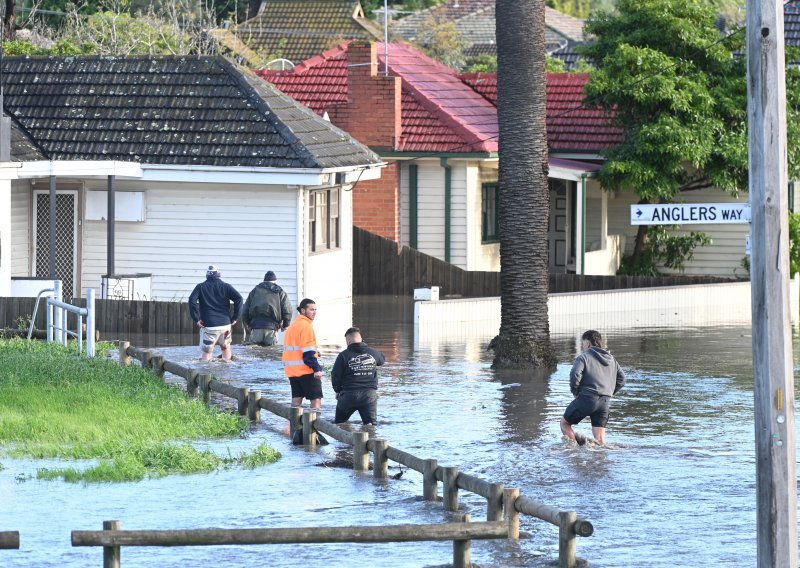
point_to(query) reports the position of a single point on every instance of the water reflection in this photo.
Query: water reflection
(681, 458)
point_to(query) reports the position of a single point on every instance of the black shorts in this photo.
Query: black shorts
(306, 386)
(588, 404)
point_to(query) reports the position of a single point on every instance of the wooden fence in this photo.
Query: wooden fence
(122, 317)
(112, 537)
(502, 503)
(382, 266)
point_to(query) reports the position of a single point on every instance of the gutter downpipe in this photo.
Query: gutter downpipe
(448, 206)
(583, 223)
(413, 197)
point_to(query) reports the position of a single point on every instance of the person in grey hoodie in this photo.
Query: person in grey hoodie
(266, 311)
(595, 377)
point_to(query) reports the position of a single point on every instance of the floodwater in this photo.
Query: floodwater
(676, 487)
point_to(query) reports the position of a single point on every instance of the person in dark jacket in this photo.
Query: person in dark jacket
(355, 379)
(595, 377)
(210, 308)
(266, 311)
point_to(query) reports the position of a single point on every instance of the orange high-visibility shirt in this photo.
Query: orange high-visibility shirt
(298, 339)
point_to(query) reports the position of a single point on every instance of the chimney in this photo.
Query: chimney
(373, 101)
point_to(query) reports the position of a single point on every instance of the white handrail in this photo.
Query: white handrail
(58, 323)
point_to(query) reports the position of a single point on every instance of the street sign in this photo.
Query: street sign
(690, 213)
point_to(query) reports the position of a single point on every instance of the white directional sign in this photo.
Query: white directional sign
(690, 213)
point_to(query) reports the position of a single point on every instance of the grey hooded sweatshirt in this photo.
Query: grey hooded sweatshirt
(596, 371)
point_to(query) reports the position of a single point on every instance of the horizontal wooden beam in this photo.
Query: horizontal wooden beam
(215, 537)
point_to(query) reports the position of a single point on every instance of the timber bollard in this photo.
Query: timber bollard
(511, 513)
(380, 467)
(157, 364)
(567, 541)
(450, 488)
(360, 451)
(243, 401)
(295, 420)
(147, 359)
(309, 434)
(204, 381)
(124, 358)
(192, 383)
(494, 502)
(111, 554)
(253, 408)
(430, 485)
(461, 548)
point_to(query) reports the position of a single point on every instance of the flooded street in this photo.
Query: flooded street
(675, 487)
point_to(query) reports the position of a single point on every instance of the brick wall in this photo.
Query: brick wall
(376, 204)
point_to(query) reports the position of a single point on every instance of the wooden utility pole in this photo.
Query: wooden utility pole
(776, 476)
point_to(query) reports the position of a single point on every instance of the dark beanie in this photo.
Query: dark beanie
(270, 277)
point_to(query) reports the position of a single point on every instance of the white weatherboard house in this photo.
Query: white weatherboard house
(196, 161)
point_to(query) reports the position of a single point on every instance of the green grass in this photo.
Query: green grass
(55, 404)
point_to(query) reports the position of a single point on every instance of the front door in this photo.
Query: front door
(557, 226)
(66, 245)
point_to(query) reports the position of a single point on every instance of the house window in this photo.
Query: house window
(490, 226)
(323, 220)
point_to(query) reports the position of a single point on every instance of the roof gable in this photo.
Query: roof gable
(169, 110)
(299, 29)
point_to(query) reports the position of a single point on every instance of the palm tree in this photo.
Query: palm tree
(524, 201)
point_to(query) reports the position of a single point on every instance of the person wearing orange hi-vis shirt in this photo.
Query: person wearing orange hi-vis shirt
(301, 357)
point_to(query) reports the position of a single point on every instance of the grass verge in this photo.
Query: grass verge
(55, 404)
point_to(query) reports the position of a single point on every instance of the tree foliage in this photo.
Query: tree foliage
(678, 88)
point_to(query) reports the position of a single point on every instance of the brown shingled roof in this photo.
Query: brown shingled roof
(299, 29)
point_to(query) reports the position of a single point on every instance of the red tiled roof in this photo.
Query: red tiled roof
(445, 112)
(570, 125)
(439, 112)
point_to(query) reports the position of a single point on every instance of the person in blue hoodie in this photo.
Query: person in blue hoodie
(595, 377)
(355, 379)
(210, 308)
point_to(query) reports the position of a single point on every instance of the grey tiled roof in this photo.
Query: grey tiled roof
(475, 22)
(23, 148)
(791, 23)
(169, 110)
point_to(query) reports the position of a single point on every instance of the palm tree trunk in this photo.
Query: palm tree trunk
(524, 202)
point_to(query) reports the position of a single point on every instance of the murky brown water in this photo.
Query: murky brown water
(676, 487)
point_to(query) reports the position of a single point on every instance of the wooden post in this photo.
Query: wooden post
(380, 467)
(253, 408)
(295, 420)
(430, 485)
(461, 548)
(244, 402)
(776, 475)
(147, 358)
(157, 364)
(309, 435)
(494, 502)
(111, 554)
(360, 451)
(511, 513)
(450, 488)
(566, 539)
(192, 383)
(204, 380)
(124, 358)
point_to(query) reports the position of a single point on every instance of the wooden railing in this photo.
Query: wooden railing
(112, 537)
(9, 540)
(502, 503)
